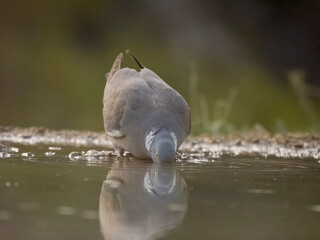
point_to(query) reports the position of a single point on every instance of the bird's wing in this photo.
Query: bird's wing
(125, 91)
(188, 120)
(111, 125)
(112, 114)
(173, 101)
(180, 107)
(149, 74)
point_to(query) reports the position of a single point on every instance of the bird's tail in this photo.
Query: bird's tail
(134, 58)
(115, 67)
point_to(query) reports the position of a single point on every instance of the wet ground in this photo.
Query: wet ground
(70, 187)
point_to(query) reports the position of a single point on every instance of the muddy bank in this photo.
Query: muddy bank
(258, 142)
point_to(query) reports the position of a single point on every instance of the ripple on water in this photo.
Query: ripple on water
(260, 191)
(4, 148)
(91, 155)
(199, 158)
(28, 206)
(258, 187)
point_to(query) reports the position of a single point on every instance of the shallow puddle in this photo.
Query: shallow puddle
(59, 192)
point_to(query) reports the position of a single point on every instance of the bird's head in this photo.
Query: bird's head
(163, 151)
(163, 148)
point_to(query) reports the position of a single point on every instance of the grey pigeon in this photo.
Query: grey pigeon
(137, 203)
(142, 114)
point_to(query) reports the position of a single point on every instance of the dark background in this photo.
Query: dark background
(237, 63)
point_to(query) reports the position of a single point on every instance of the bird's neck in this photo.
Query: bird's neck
(160, 134)
(160, 181)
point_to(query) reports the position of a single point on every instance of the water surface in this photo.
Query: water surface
(47, 195)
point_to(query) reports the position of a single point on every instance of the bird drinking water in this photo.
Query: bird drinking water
(142, 114)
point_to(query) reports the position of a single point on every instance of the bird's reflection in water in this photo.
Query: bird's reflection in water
(142, 203)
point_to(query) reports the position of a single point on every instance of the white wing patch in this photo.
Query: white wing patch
(149, 139)
(115, 134)
(113, 183)
(174, 138)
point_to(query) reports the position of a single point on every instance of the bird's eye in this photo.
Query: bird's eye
(157, 155)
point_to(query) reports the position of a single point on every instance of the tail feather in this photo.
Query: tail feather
(115, 67)
(134, 58)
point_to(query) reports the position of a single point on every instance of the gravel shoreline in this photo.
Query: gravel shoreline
(258, 142)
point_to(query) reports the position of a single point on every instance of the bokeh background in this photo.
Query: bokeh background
(237, 63)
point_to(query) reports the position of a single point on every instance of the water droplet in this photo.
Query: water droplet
(74, 156)
(90, 156)
(8, 184)
(13, 149)
(50, 154)
(5, 155)
(27, 154)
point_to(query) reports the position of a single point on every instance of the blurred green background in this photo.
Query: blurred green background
(237, 63)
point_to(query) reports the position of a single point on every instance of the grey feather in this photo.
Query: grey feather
(136, 103)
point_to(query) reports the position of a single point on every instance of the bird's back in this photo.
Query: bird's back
(136, 103)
